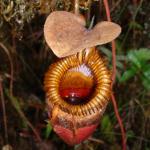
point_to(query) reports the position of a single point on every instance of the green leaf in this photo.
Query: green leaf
(134, 59)
(48, 130)
(16, 105)
(146, 71)
(106, 51)
(130, 134)
(136, 25)
(145, 77)
(121, 57)
(119, 65)
(143, 54)
(146, 83)
(107, 128)
(139, 57)
(128, 74)
(105, 122)
(118, 46)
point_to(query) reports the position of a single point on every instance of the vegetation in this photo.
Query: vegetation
(24, 58)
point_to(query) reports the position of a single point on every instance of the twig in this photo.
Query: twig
(119, 121)
(4, 111)
(115, 6)
(16, 105)
(96, 140)
(89, 9)
(113, 44)
(145, 117)
(113, 80)
(11, 67)
(130, 27)
(134, 137)
(114, 63)
(76, 8)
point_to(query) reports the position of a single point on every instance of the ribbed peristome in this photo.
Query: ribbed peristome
(99, 75)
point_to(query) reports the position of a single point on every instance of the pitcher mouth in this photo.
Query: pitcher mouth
(78, 86)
